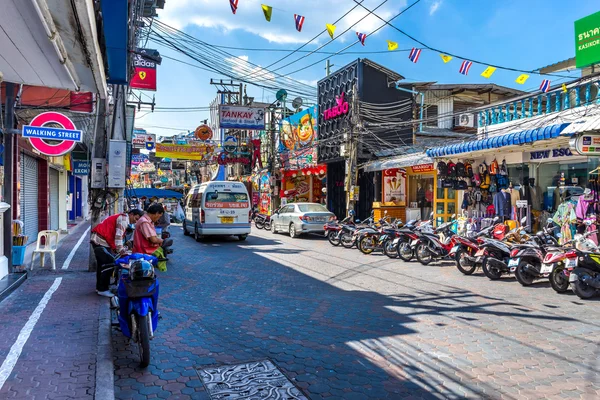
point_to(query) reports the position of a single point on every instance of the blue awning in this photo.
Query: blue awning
(115, 15)
(508, 139)
(152, 192)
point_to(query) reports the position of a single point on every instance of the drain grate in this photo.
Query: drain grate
(255, 380)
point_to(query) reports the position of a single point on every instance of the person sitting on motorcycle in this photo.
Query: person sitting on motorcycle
(145, 238)
(109, 239)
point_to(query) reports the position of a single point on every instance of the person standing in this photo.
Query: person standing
(108, 240)
(145, 238)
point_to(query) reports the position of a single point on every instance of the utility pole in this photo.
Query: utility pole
(352, 162)
(328, 66)
(99, 150)
(9, 122)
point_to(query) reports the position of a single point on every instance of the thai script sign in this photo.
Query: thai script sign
(342, 108)
(183, 151)
(238, 117)
(140, 139)
(587, 40)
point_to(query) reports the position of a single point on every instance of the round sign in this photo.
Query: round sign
(230, 144)
(203, 132)
(62, 146)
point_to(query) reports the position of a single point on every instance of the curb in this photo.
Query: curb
(105, 374)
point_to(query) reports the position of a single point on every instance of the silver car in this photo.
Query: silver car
(298, 218)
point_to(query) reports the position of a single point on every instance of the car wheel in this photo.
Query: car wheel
(293, 233)
(197, 235)
(185, 231)
(273, 229)
(242, 237)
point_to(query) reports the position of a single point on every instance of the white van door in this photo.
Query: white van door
(226, 207)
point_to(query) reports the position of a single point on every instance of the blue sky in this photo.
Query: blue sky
(524, 34)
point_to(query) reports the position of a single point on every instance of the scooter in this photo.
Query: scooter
(136, 303)
(262, 221)
(466, 248)
(497, 253)
(333, 229)
(377, 241)
(437, 245)
(585, 277)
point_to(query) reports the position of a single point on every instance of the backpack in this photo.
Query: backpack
(490, 210)
(477, 180)
(502, 181)
(451, 169)
(442, 169)
(485, 181)
(503, 168)
(460, 170)
(468, 170)
(448, 183)
(461, 185)
(493, 187)
(477, 196)
(494, 167)
(483, 168)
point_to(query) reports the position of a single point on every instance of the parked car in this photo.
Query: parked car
(299, 218)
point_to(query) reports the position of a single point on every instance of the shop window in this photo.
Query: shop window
(556, 182)
(420, 194)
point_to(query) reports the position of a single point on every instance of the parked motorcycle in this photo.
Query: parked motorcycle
(350, 233)
(495, 254)
(409, 239)
(333, 228)
(262, 221)
(465, 250)
(376, 241)
(435, 246)
(585, 276)
(390, 248)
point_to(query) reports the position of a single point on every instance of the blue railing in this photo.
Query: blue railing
(541, 104)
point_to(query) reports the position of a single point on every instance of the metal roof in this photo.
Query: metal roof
(392, 74)
(407, 160)
(588, 124)
(480, 88)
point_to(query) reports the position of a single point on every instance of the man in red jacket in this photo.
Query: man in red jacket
(108, 240)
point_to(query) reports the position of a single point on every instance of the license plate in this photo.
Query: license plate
(414, 242)
(571, 262)
(480, 252)
(396, 241)
(227, 220)
(546, 268)
(320, 219)
(573, 278)
(454, 249)
(513, 262)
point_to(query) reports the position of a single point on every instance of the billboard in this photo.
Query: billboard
(240, 117)
(144, 75)
(297, 137)
(139, 140)
(587, 40)
(184, 151)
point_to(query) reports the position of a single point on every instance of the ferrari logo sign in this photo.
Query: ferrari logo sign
(142, 75)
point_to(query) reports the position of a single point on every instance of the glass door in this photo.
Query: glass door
(445, 205)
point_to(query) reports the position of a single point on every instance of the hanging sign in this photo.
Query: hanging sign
(140, 140)
(230, 144)
(586, 145)
(81, 167)
(137, 159)
(239, 117)
(183, 151)
(587, 40)
(65, 137)
(144, 75)
(422, 168)
(164, 165)
(203, 132)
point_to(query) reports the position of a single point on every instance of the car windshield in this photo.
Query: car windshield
(225, 197)
(312, 208)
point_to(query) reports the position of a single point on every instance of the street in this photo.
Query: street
(340, 324)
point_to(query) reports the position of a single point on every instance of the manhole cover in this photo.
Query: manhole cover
(255, 380)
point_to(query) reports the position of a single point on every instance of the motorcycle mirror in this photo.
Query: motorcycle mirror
(588, 222)
(549, 221)
(496, 219)
(431, 215)
(358, 221)
(559, 235)
(523, 220)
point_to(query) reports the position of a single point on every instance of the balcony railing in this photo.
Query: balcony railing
(578, 95)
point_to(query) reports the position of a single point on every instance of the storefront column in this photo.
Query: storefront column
(62, 204)
(3, 258)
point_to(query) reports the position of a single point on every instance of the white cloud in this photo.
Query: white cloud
(281, 29)
(242, 67)
(434, 7)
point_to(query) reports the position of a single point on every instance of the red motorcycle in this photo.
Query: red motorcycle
(436, 245)
(465, 249)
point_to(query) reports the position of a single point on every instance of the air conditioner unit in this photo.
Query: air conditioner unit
(466, 119)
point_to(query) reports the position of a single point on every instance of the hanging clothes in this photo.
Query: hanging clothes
(502, 204)
(564, 217)
(583, 204)
(514, 196)
(525, 194)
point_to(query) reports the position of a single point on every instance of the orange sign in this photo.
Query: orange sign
(203, 132)
(422, 168)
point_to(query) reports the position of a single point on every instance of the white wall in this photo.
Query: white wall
(63, 184)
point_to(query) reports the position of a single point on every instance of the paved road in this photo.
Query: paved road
(344, 325)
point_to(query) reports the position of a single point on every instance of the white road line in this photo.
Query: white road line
(72, 253)
(15, 351)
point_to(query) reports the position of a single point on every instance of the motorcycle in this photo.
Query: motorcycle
(408, 239)
(333, 229)
(465, 250)
(262, 221)
(495, 254)
(136, 303)
(376, 241)
(350, 232)
(436, 245)
(585, 277)
(391, 246)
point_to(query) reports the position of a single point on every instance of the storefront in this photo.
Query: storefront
(304, 185)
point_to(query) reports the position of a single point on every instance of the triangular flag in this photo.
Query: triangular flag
(487, 73)
(330, 29)
(392, 45)
(414, 55)
(361, 37)
(446, 58)
(564, 88)
(545, 86)
(522, 79)
(299, 20)
(267, 10)
(234, 5)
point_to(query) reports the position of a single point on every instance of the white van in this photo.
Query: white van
(217, 208)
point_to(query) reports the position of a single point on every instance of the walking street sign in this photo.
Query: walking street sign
(64, 138)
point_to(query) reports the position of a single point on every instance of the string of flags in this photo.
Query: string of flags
(414, 55)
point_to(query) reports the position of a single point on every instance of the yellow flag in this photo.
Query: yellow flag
(446, 58)
(488, 72)
(522, 79)
(330, 29)
(267, 10)
(67, 161)
(564, 88)
(392, 45)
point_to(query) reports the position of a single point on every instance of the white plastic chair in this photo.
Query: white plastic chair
(50, 243)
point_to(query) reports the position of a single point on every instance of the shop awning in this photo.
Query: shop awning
(152, 192)
(407, 160)
(497, 141)
(587, 124)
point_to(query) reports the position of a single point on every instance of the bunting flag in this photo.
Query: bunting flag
(234, 5)
(267, 10)
(361, 37)
(522, 79)
(564, 88)
(446, 58)
(488, 72)
(299, 19)
(330, 29)
(392, 45)
(545, 86)
(414, 55)
(465, 67)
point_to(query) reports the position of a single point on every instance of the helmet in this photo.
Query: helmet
(141, 270)
(351, 213)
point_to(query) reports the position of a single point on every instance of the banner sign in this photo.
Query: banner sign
(139, 140)
(297, 140)
(184, 151)
(144, 76)
(137, 159)
(239, 117)
(178, 165)
(164, 165)
(587, 40)
(586, 145)
(81, 167)
(394, 186)
(422, 168)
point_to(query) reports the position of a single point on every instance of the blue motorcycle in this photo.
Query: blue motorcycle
(136, 303)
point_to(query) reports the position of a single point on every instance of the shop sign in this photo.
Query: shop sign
(230, 144)
(394, 185)
(543, 154)
(137, 159)
(81, 167)
(64, 137)
(140, 139)
(342, 108)
(297, 140)
(587, 40)
(238, 117)
(144, 75)
(183, 151)
(422, 168)
(179, 165)
(586, 145)
(225, 159)
(164, 165)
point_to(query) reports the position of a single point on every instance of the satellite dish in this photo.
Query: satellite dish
(297, 103)
(281, 94)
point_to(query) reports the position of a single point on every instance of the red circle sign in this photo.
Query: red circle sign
(59, 149)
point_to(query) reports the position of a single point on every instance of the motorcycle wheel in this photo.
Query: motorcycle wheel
(143, 339)
(389, 249)
(268, 226)
(492, 273)
(405, 252)
(333, 238)
(558, 280)
(260, 224)
(346, 240)
(367, 244)
(583, 290)
(423, 254)
(464, 269)
(523, 277)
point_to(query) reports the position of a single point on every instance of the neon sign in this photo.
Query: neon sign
(342, 108)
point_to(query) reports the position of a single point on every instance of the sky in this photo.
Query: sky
(522, 34)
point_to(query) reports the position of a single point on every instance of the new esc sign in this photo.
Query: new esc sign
(66, 137)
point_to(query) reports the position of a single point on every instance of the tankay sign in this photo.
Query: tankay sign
(239, 117)
(64, 138)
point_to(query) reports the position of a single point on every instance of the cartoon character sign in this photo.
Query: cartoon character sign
(297, 136)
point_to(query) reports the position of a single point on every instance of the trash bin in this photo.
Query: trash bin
(18, 255)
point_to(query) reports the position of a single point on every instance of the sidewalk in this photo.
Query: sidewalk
(49, 330)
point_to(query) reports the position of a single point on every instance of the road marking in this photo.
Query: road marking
(72, 253)
(16, 349)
